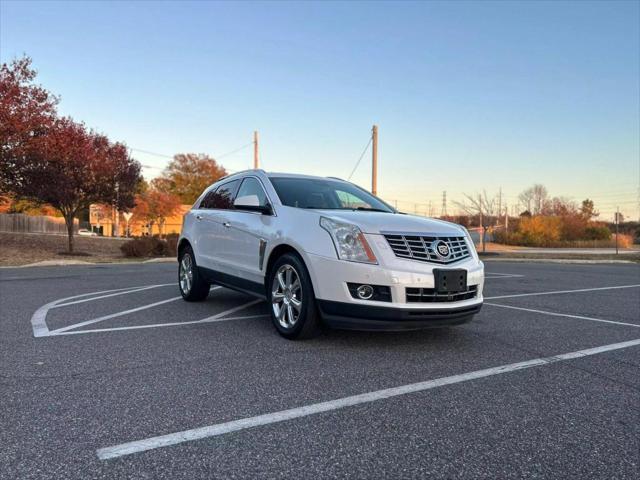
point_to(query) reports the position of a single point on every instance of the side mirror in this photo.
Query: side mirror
(252, 204)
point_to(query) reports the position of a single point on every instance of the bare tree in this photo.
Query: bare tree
(534, 199)
(540, 195)
(483, 206)
(526, 199)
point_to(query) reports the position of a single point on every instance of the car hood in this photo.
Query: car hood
(379, 222)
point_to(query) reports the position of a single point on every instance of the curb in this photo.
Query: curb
(64, 263)
(555, 260)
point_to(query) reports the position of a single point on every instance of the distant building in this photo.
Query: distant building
(101, 220)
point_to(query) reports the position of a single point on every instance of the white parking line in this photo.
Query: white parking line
(117, 314)
(127, 291)
(561, 291)
(38, 319)
(159, 325)
(580, 317)
(113, 315)
(495, 275)
(304, 411)
(231, 310)
(38, 322)
(215, 318)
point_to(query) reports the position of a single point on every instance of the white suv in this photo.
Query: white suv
(322, 250)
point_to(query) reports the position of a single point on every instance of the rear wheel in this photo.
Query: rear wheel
(293, 304)
(192, 286)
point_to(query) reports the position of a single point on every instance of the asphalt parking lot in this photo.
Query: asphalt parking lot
(106, 373)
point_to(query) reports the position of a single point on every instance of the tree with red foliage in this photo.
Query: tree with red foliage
(57, 161)
(27, 112)
(70, 168)
(154, 206)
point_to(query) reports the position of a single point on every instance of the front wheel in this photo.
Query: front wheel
(293, 304)
(192, 286)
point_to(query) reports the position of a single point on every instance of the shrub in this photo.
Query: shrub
(597, 232)
(540, 231)
(147, 247)
(500, 236)
(572, 228)
(624, 241)
(172, 244)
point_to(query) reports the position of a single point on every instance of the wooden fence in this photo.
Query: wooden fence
(21, 223)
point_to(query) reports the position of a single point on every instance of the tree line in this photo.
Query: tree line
(61, 164)
(543, 221)
(181, 183)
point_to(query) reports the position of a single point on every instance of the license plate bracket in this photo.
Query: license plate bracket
(450, 281)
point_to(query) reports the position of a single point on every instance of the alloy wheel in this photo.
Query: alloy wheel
(186, 274)
(286, 296)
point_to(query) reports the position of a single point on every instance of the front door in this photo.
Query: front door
(248, 232)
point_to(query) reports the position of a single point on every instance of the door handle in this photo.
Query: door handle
(227, 224)
(198, 217)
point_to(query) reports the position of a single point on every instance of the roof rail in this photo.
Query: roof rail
(241, 171)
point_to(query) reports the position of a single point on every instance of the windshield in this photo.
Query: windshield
(320, 193)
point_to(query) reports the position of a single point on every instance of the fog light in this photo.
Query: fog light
(365, 292)
(378, 293)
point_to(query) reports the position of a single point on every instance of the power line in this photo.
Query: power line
(162, 155)
(360, 159)
(233, 151)
(151, 153)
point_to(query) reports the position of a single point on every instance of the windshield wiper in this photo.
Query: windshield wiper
(368, 209)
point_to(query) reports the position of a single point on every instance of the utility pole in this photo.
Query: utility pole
(499, 206)
(430, 209)
(506, 218)
(443, 212)
(256, 161)
(374, 160)
(116, 222)
(617, 222)
(481, 224)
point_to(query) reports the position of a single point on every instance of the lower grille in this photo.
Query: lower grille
(429, 295)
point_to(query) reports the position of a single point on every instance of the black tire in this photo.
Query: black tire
(308, 323)
(198, 289)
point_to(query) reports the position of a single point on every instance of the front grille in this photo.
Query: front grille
(429, 295)
(421, 247)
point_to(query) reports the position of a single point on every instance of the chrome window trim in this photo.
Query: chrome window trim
(227, 180)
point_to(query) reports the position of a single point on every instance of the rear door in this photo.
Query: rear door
(205, 231)
(213, 230)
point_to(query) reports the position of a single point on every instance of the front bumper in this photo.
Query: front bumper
(340, 310)
(350, 316)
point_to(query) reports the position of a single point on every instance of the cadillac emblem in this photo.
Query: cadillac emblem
(441, 248)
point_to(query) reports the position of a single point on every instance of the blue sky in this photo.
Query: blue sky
(467, 96)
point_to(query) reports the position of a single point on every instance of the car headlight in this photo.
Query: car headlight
(470, 242)
(349, 241)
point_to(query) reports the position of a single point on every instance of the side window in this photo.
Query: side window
(251, 187)
(222, 197)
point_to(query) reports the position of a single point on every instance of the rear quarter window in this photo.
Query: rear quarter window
(221, 197)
